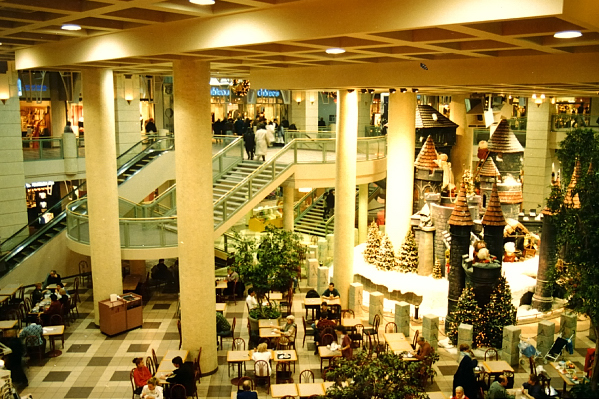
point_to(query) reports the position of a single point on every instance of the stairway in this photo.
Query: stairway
(312, 223)
(23, 244)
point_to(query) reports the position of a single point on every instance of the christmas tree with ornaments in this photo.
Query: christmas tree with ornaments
(385, 257)
(466, 311)
(407, 261)
(500, 312)
(373, 243)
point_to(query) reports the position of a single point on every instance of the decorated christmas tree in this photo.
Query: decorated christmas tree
(498, 313)
(407, 260)
(467, 312)
(385, 256)
(373, 242)
(437, 273)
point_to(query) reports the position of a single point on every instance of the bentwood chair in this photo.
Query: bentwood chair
(357, 336)
(492, 354)
(283, 373)
(308, 331)
(154, 357)
(306, 377)
(178, 392)
(238, 345)
(197, 368)
(391, 327)
(151, 365)
(415, 341)
(244, 379)
(261, 372)
(132, 379)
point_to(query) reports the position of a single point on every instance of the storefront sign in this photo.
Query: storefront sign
(268, 93)
(39, 184)
(219, 92)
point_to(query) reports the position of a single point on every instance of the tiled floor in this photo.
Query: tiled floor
(95, 366)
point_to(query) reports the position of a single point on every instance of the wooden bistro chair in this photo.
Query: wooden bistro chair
(151, 365)
(308, 331)
(491, 353)
(283, 373)
(357, 336)
(415, 341)
(306, 377)
(132, 379)
(391, 327)
(181, 337)
(33, 348)
(244, 379)
(154, 357)
(197, 368)
(238, 345)
(178, 392)
(261, 372)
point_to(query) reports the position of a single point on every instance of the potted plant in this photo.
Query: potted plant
(270, 263)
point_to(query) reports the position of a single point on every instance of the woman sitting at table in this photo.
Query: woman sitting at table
(141, 375)
(37, 294)
(62, 292)
(288, 331)
(262, 353)
(54, 308)
(344, 342)
(152, 390)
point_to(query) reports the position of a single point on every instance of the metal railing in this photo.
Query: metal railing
(302, 206)
(560, 122)
(48, 148)
(159, 230)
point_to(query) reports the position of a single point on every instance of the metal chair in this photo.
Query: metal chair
(244, 379)
(306, 376)
(345, 313)
(283, 373)
(492, 353)
(151, 365)
(178, 392)
(155, 358)
(358, 335)
(391, 327)
(261, 372)
(308, 331)
(132, 379)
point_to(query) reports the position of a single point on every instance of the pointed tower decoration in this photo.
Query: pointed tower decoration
(428, 176)
(460, 227)
(488, 175)
(570, 200)
(493, 224)
(542, 299)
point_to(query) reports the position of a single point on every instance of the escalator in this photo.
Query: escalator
(29, 239)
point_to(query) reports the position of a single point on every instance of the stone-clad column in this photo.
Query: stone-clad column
(288, 201)
(363, 213)
(543, 298)
(345, 193)
(193, 156)
(400, 165)
(102, 188)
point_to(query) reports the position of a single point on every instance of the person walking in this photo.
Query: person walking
(263, 139)
(329, 204)
(249, 141)
(464, 376)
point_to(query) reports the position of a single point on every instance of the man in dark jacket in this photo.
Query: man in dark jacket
(464, 376)
(329, 204)
(239, 126)
(183, 374)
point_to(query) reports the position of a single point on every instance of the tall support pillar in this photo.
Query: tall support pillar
(363, 213)
(102, 188)
(461, 153)
(543, 299)
(304, 110)
(58, 111)
(126, 101)
(400, 165)
(288, 201)
(345, 193)
(193, 157)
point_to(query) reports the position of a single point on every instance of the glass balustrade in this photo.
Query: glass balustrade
(566, 122)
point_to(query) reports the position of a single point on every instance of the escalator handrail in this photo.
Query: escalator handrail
(142, 154)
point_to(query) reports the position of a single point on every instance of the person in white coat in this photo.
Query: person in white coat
(263, 138)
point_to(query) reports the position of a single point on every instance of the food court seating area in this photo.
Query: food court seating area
(93, 365)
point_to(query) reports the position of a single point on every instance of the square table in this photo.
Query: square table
(268, 323)
(282, 390)
(53, 332)
(238, 357)
(10, 289)
(7, 324)
(306, 390)
(564, 375)
(293, 358)
(326, 353)
(276, 296)
(52, 286)
(166, 363)
(221, 307)
(394, 337)
(350, 323)
(269, 333)
(497, 366)
(400, 346)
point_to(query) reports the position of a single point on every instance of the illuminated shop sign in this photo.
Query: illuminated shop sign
(36, 88)
(217, 91)
(268, 93)
(39, 184)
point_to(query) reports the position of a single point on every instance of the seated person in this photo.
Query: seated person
(344, 342)
(251, 300)
(63, 293)
(54, 308)
(498, 390)
(459, 394)
(231, 279)
(36, 331)
(223, 328)
(534, 388)
(323, 312)
(183, 374)
(320, 326)
(424, 349)
(37, 294)
(246, 392)
(53, 278)
(160, 272)
(152, 390)
(288, 331)
(262, 353)
(141, 375)
(331, 292)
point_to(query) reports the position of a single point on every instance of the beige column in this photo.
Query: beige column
(193, 157)
(364, 103)
(126, 103)
(461, 153)
(303, 111)
(538, 156)
(58, 114)
(345, 193)
(400, 165)
(288, 202)
(102, 189)
(13, 207)
(362, 213)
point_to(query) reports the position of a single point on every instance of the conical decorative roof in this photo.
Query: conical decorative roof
(461, 214)
(494, 214)
(489, 169)
(569, 200)
(427, 156)
(504, 140)
(425, 118)
(556, 185)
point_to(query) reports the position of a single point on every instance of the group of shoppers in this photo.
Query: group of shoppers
(148, 387)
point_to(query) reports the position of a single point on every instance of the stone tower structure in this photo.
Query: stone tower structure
(428, 176)
(493, 224)
(488, 175)
(460, 227)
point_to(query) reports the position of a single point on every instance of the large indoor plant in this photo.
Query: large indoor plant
(270, 263)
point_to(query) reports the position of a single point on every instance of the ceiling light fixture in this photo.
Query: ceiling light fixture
(350, 90)
(403, 90)
(335, 50)
(370, 91)
(567, 34)
(391, 91)
(202, 2)
(414, 90)
(362, 91)
(534, 96)
(70, 27)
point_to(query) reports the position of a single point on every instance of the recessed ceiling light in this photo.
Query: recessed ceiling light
(202, 2)
(567, 34)
(335, 50)
(71, 27)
